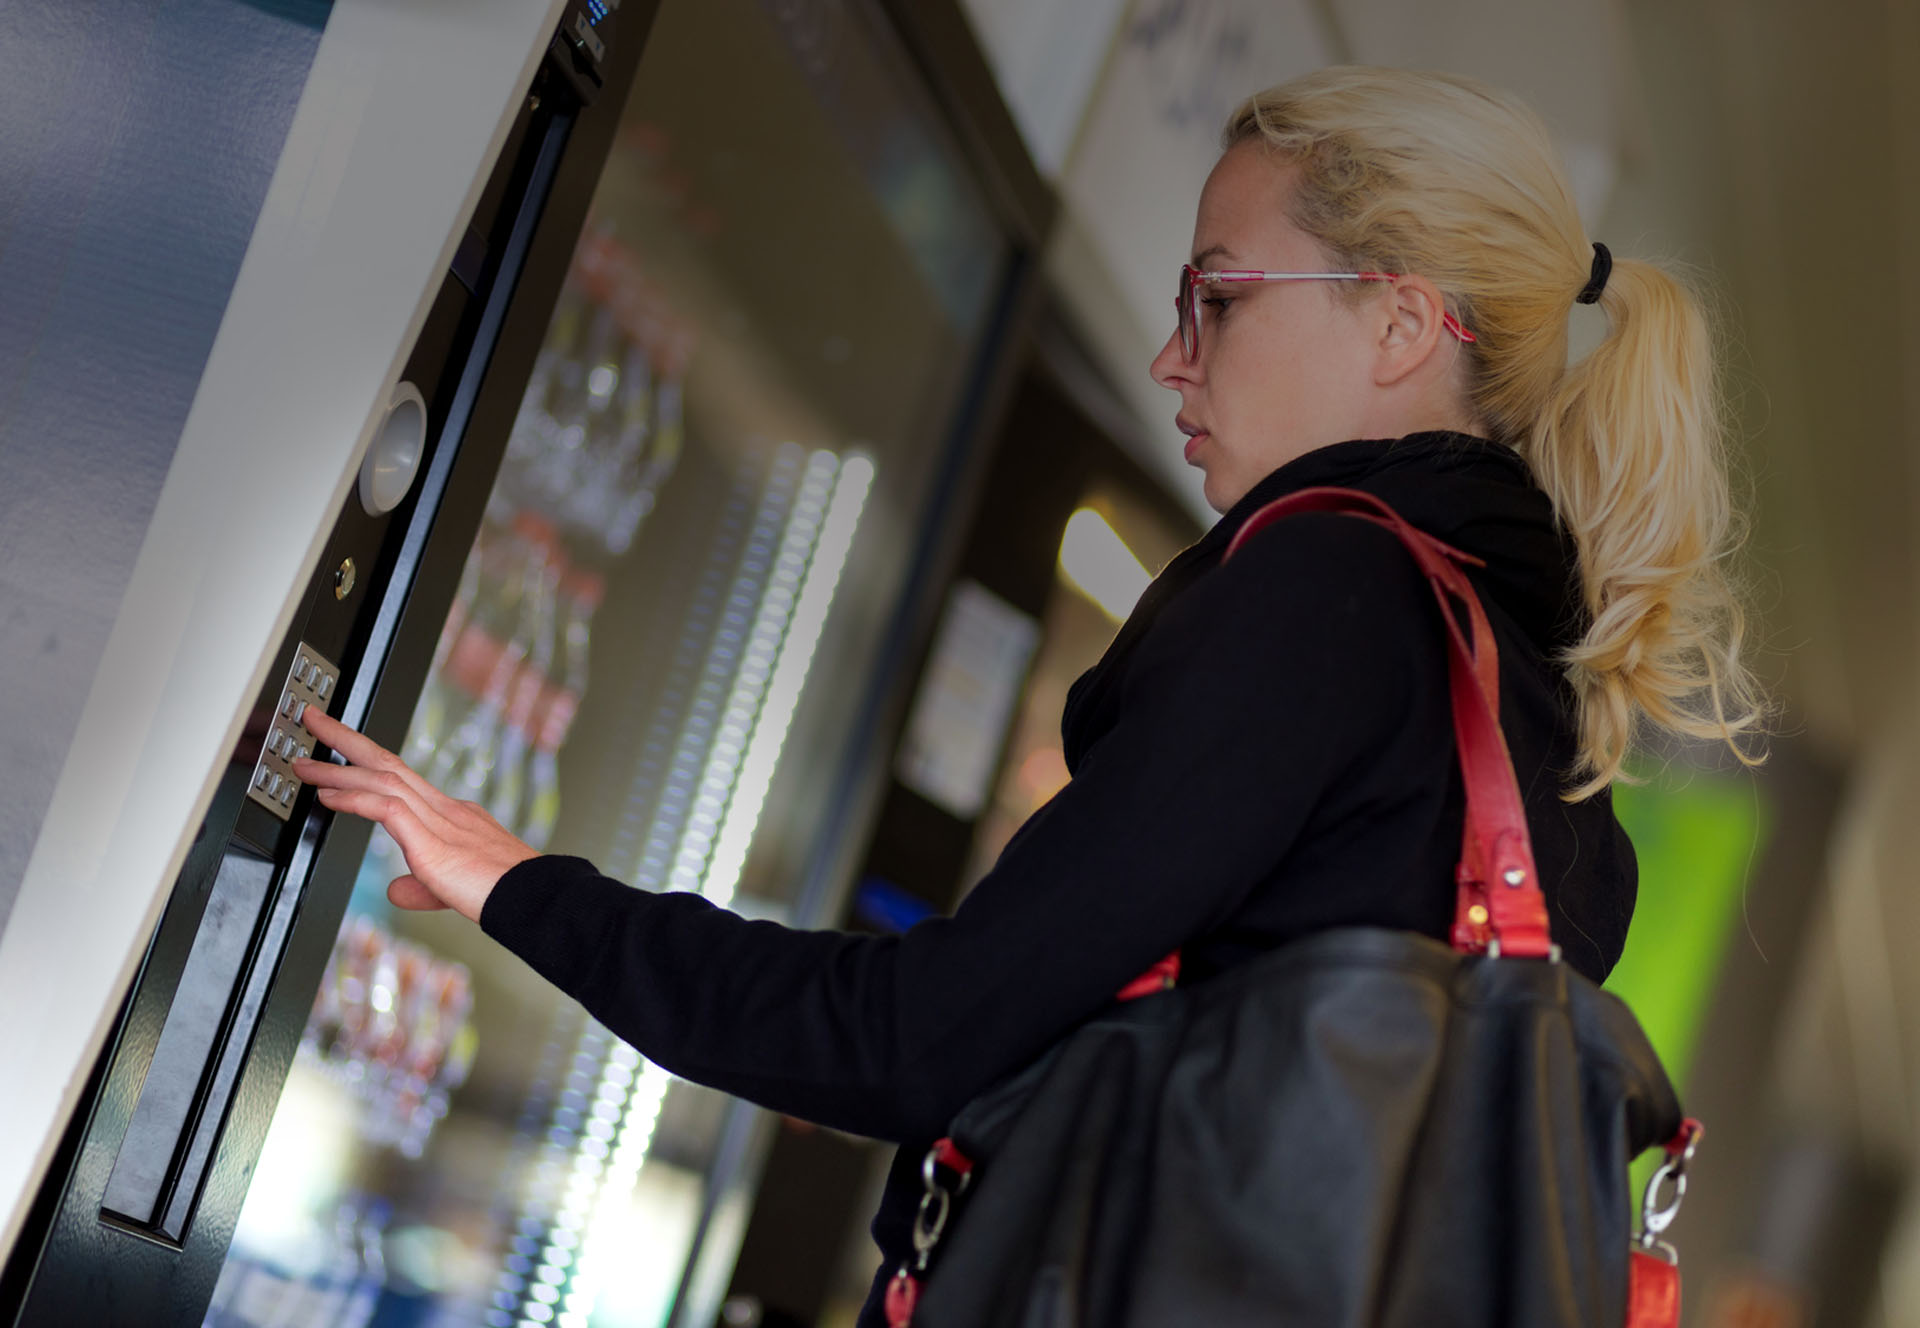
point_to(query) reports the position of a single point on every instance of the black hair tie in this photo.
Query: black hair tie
(1597, 282)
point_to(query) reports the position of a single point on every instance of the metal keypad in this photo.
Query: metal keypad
(310, 681)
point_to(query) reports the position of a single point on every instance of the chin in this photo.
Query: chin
(1221, 492)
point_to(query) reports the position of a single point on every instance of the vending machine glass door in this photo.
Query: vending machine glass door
(686, 566)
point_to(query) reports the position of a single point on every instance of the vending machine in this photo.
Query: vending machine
(635, 561)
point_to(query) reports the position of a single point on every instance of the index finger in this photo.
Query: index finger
(357, 747)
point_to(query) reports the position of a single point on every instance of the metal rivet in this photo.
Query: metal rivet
(1514, 876)
(1477, 915)
(343, 579)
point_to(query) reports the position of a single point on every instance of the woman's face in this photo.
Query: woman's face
(1282, 367)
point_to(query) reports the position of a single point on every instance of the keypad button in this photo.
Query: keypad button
(286, 793)
(261, 777)
(326, 685)
(299, 710)
(274, 785)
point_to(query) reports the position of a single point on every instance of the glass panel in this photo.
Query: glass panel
(661, 636)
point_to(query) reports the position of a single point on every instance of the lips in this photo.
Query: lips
(1195, 435)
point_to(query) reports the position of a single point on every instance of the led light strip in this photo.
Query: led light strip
(679, 799)
(758, 659)
(568, 1180)
(791, 666)
(740, 768)
(630, 1150)
(637, 799)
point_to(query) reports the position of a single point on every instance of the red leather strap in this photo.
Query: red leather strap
(1653, 1292)
(1686, 1138)
(1158, 978)
(903, 1295)
(1496, 870)
(948, 1154)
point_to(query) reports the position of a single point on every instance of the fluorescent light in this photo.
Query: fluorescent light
(1100, 566)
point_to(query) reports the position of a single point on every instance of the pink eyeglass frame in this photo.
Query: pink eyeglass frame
(1186, 303)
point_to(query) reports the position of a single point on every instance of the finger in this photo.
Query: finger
(365, 753)
(355, 746)
(388, 783)
(410, 892)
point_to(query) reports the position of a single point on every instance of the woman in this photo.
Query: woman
(1383, 268)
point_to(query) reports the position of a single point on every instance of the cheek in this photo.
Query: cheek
(1259, 378)
(1277, 384)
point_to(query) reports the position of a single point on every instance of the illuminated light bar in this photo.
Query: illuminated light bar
(1098, 564)
(606, 1245)
(702, 727)
(733, 736)
(759, 655)
(789, 677)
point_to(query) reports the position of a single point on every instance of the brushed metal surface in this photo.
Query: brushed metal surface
(311, 681)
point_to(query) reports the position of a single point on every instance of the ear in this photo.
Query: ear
(1409, 323)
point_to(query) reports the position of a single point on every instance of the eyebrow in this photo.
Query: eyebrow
(1210, 251)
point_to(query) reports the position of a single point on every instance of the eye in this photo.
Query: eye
(1216, 301)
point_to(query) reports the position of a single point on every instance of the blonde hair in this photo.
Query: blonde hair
(1443, 176)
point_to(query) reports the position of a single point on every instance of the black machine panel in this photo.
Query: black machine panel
(134, 1217)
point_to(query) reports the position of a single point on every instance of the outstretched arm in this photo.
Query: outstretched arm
(1248, 696)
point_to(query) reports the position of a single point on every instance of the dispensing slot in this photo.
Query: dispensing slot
(158, 1170)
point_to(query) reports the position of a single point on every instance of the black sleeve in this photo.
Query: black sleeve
(1253, 691)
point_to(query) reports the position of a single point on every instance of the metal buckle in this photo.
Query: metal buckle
(930, 1177)
(1493, 950)
(926, 1233)
(1654, 1219)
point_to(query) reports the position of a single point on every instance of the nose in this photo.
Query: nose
(1170, 367)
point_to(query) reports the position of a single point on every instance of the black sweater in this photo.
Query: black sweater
(1265, 750)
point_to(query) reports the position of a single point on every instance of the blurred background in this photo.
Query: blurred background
(830, 459)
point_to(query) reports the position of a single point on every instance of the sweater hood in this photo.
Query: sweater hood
(1478, 496)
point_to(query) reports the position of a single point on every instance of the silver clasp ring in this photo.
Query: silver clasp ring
(1654, 1219)
(931, 1220)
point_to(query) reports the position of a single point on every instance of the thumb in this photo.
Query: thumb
(410, 892)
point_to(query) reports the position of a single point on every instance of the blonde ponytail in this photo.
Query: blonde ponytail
(1629, 444)
(1443, 176)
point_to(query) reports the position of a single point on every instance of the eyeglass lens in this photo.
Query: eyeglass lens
(1184, 311)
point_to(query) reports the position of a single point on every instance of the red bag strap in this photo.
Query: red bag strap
(1499, 907)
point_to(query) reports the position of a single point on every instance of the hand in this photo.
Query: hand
(456, 853)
